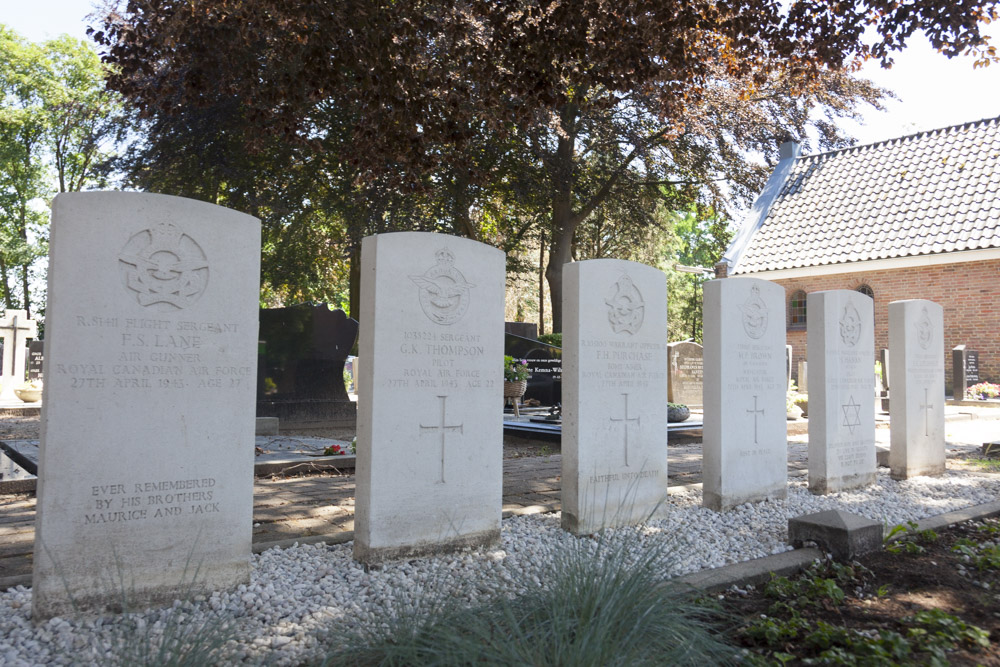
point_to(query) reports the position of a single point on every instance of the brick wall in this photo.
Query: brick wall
(969, 293)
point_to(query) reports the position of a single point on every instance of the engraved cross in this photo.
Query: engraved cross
(444, 428)
(926, 406)
(627, 421)
(14, 321)
(755, 412)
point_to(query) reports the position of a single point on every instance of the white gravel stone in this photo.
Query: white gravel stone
(297, 595)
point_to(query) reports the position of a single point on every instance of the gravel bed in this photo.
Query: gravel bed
(296, 595)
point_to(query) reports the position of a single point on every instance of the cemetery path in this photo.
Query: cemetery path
(320, 507)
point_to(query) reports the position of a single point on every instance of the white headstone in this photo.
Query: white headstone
(916, 408)
(430, 434)
(745, 434)
(146, 462)
(15, 329)
(841, 409)
(803, 382)
(614, 444)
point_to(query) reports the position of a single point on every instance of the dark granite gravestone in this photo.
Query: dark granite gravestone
(686, 368)
(36, 357)
(964, 370)
(301, 352)
(545, 365)
(522, 329)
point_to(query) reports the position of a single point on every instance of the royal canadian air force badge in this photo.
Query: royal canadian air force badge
(754, 312)
(165, 267)
(626, 308)
(444, 292)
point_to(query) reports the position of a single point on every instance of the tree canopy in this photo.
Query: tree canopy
(500, 121)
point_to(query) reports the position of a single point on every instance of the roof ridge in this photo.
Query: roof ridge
(905, 137)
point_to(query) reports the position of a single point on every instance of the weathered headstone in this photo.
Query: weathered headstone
(614, 444)
(15, 329)
(146, 454)
(430, 437)
(964, 370)
(788, 367)
(916, 412)
(803, 383)
(303, 350)
(745, 433)
(687, 373)
(841, 412)
(36, 359)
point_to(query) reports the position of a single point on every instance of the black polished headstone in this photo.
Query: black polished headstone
(522, 329)
(36, 357)
(545, 365)
(964, 370)
(301, 355)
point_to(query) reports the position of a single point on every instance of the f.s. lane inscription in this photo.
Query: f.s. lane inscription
(157, 353)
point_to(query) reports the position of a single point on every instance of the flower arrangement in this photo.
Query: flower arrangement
(342, 450)
(982, 391)
(515, 370)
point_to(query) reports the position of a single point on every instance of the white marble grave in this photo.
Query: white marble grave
(916, 376)
(15, 329)
(430, 435)
(745, 433)
(614, 442)
(146, 463)
(841, 344)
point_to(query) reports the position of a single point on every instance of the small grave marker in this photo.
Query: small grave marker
(15, 329)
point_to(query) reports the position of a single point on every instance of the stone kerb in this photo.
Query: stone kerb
(745, 437)
(916, 375)
(430, 434)
(614, 444)
(146, 468)
(841, 409)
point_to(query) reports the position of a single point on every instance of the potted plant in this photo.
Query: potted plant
(792, 411)
(677, 412)
(515, 380)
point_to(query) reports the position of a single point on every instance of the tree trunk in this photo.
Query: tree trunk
(564, 221)
(354, 282)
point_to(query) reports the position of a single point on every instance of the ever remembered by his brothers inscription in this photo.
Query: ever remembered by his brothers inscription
(614, 465)
(430, 440)
(146, 462)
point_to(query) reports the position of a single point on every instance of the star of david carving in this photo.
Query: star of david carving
(852, 414)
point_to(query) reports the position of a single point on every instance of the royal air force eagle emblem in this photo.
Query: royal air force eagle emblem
(165, 267)
(925, 329)
(444, 292)
(626, 308)
(850, 325)
(754, 312)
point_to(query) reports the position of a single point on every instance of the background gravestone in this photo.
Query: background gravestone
(523, 329)
(964, 370)
(686, 364)
(745, 433)
(301, 374)
(36, 359)
(545, 365)
(916, 376)
(841, 343)
(146, 459)
(430, 433)
(614, 440)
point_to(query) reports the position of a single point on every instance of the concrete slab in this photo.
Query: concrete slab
(843, 534)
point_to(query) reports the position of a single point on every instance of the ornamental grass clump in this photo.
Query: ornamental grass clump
(603, 606)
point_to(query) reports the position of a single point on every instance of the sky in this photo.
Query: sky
(933, 90)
